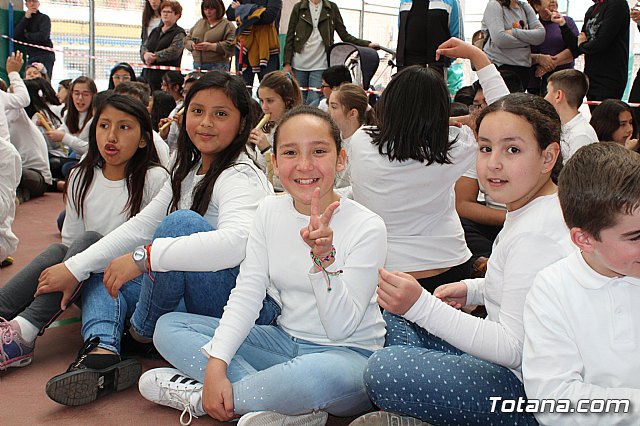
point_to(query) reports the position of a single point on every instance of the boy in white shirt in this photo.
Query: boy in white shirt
(582, 337)
(565, 90)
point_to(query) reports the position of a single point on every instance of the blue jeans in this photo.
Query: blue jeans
(311, 79)
(248, 75)
(213, 66)
(204, 293)
(429, 379)
(272, 371)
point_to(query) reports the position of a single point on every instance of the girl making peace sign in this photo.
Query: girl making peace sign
(321, 267)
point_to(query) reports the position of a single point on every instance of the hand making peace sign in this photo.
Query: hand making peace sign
(318, 234)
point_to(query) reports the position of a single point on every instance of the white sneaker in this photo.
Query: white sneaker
(271, 418)
(168, 386)
(385, 418)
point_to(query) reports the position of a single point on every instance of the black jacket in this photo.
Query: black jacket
(35, 30)
(606, 51)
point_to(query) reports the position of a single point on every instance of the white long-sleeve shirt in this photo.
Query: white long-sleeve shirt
(10, 173)
(278, 259)
(10, 164)
(576, 133)
(78, 142)
(417, 202)
(533, 237)
(582, 341)
(29, 142)
(105, 203)
(234, 200)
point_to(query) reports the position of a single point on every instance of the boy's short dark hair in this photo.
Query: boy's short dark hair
(573, 83)
(336, 75)
(599, 182)
(136, 89)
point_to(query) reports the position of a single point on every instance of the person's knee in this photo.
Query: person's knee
(180, 223)
(162, 336)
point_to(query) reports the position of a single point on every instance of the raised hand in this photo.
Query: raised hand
(318, 234)
(454, 294)
(397, 291)
(456, 48)
(14, 62)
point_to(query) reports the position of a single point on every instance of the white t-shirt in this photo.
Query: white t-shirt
(161, 148)
(576, 134)
(533, 237)
(78, 142)
(417, 202)
(29, 142)
(105, 203)
(313, 56)
(582, 340)
(234, 200)
(278, 260)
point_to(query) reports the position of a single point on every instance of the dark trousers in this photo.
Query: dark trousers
(32, 184)
(523, 73)
(479, 237)
(455, 273)
(248, 74)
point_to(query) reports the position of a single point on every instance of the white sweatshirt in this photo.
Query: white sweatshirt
(78, 142)
(235, 198)
(533, 237)
(29, 142)
(105, 203)
(278, 260)
(416, 201)
(10, 173)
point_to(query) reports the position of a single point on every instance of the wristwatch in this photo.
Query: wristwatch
(139, 256)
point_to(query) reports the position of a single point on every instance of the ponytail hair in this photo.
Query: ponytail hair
(351, 96)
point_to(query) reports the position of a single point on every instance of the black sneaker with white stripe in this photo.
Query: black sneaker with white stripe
(168, 386)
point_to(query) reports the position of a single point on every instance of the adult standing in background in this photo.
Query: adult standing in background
(164, 45)
(553, 54)
(513, 28)
(35, 28)
(425, 25)
(212, 38)
(311, 28)
(604, 40)
(257, 38)
(150, 20)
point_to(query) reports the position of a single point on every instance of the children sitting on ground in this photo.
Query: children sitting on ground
(118, 177)
(444, 365)
(198, 225)
(581, 316)
(407, 174)
(320, 254)
(566, 90)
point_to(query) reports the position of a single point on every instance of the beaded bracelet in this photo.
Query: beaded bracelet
(318, 261)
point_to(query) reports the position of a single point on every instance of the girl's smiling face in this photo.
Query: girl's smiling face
(212, 123)
(271, 103)
(82, 96)
(118, 136)
(511, 166)
(307, 159)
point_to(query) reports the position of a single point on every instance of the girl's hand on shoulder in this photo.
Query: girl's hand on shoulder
(56, 135)
(397, 291)
(217, 392)
(121, 270)
(318, 234)
(57, 278)
(454, 294)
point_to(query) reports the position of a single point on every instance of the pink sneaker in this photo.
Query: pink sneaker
(14, 351)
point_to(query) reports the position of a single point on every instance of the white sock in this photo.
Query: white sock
(28, 331)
